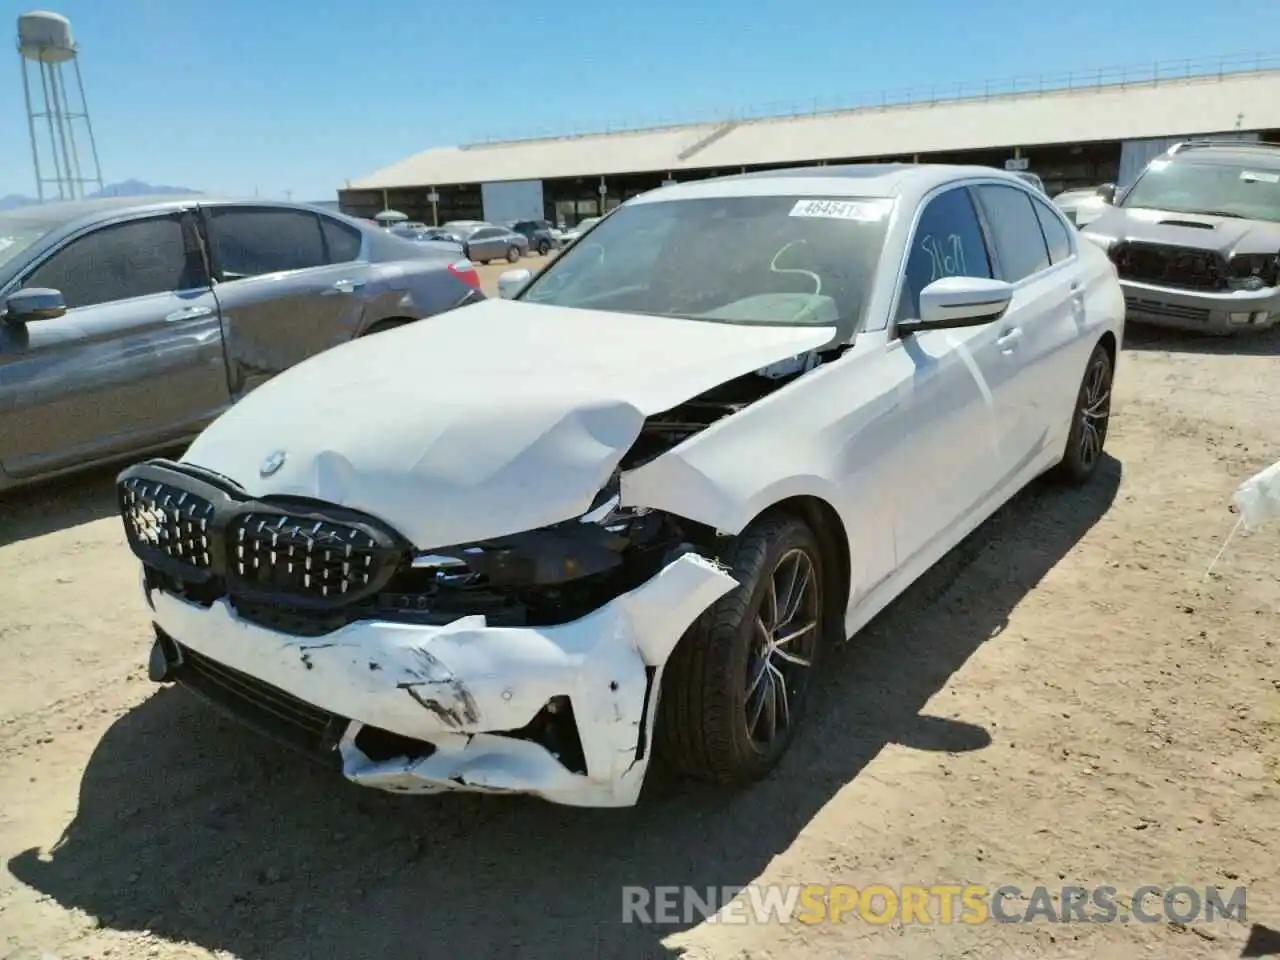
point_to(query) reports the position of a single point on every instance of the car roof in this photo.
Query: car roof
(68, 211)
(864, 180)
(1233, 153)
(95, 208)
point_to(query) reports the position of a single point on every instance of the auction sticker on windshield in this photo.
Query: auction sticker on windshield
(1253, 175)
(867, 211)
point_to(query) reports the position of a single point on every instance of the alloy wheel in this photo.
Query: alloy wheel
(1095, 411)
(784, 640)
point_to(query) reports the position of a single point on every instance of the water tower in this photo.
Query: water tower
(64, 164)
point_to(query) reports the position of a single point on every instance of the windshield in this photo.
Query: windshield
(1230, 190)
(786, 261)
(18, 232)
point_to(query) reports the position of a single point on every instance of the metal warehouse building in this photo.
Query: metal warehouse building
(1075, 131)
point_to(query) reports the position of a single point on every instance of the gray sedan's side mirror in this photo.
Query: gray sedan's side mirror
(34, 303)
(1107, 192)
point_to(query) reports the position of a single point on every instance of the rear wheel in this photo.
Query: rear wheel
(1089, 420)
(543, 248)
(735, 687)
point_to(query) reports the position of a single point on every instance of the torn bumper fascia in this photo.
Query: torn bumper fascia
(452, 686)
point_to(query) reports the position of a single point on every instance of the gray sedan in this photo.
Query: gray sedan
(484, 243)
(127, 324)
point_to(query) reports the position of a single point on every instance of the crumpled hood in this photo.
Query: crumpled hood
(487, 420)
(1226, 235)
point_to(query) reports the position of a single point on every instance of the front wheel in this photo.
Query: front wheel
(1089, 420)
(513, 253)
(543, 248)
(735, 687)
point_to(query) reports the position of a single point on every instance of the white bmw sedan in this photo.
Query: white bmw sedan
(533, 543)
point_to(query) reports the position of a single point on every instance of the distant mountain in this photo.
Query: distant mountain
(126, 188)
(136, 188)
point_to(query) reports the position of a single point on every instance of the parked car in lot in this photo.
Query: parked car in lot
(485, 243)
(1196, 238)
(573, 233)
(128, 324)
(1026, 176)
(1083, 205)
(434, 238)
(625, 513)
(542, 237)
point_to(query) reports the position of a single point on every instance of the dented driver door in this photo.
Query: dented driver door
(281, 298)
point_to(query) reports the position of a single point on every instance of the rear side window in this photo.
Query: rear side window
(250, 242)
(122, 261)
(1055, 234)
(947, 243)
(1020, 246)
(343, 240)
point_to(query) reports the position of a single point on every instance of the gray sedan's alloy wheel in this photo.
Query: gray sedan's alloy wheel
(513, 253)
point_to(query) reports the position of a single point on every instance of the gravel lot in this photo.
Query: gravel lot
(1065, 700)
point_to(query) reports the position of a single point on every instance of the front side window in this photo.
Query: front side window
(947, 243)
(137, 258)
(1015, 229)
(251, 242)
(749, 260)
(1221, 189)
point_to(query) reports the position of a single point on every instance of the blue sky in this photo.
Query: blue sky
(291, 96)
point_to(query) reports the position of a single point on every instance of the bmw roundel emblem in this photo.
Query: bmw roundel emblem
(272, 464)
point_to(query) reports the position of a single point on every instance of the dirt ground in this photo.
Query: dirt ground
(1066, 700)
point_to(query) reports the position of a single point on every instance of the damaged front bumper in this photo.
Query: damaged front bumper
(1208, 311)
(562, 712)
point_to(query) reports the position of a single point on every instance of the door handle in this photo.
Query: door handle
(189, 313)
(1008, 340)
(345, 286)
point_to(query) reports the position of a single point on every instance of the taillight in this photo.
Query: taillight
(465, 271)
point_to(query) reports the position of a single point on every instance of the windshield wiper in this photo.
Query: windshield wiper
(1217, 213)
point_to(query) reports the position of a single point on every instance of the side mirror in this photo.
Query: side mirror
(34, 303)
(511, 282)
(1107, 192)
(960, 302)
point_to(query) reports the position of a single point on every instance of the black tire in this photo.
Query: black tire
(513, 253)
(704, 727)
(543, 248)
(1089, 421)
